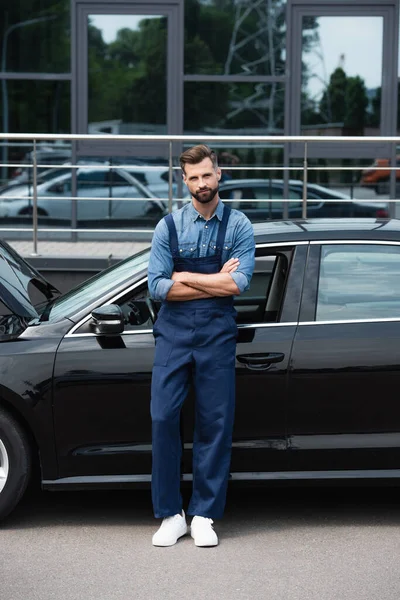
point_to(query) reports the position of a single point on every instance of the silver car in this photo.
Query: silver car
(111, 193)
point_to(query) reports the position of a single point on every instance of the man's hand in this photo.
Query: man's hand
(230, 266)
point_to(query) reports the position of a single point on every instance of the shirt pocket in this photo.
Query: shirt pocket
(226, 248)
(188, 250)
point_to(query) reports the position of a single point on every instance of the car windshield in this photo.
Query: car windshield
(94, 288)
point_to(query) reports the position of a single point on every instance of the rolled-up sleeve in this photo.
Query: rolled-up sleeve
(244, 249)
(161, 264)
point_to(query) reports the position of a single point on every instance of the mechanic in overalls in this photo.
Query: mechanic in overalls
(202, 256)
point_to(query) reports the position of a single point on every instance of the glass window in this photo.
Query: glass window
(249, 199)
(96, 287)
(274, 193)
(262, 302)
(36, 36)
(90, 179)
(34, 107)
(341, 75)
(127, 74)
(359, 282)
(135, 309)
(234, 108)
(234, 38)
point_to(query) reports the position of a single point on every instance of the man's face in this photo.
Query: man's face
(202, 180)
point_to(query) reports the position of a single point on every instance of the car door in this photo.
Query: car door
(102, 395)
(54, 198)
(102, 384)
(343, 408)
(267, 321)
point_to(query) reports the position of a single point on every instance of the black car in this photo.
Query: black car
(318, 365)
(262, 199)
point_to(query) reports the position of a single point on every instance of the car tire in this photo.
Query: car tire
(28, 212)
(15, 463)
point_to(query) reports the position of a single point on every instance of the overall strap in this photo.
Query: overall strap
(222, 229)
(173, 236)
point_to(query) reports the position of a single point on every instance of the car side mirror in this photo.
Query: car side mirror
(107, 320)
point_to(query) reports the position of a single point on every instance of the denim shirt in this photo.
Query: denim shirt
(197, 238)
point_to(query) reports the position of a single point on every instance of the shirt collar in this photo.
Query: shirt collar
(196, 215)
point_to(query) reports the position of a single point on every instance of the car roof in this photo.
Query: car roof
(326, 229)
(296, 183)
(258, 181)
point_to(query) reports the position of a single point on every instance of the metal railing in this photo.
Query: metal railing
(172, 141)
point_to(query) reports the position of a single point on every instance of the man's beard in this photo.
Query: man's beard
(207, 196)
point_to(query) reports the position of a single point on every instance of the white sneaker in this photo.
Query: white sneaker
(171, 529)
(202, 532)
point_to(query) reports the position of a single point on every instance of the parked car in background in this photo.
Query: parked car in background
(318, 343)
(26, 175)
(46, 155)
(262, 199)
(154, 177)
(111, 193)
(378, 174)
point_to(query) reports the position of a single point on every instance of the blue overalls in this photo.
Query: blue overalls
(194, 338)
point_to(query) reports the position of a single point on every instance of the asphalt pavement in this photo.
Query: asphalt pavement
(282, 543)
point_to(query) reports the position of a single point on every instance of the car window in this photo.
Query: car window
(262, 302)
(62, 186)
(358, 282)
(116, 179)
(89, 179)
(97, 287)
(135, 310)
(275, 193)
(106, 183)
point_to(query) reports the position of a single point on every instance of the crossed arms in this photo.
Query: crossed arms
(191, 286)
(233, 279)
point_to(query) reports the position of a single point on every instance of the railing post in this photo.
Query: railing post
(170, 179)
(393, 181)
(305, 177)
(74, 193)
(286, 175)
(34, 205)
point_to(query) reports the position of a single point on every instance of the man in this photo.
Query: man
(202, 256)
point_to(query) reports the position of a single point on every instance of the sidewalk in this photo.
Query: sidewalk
(96, 249)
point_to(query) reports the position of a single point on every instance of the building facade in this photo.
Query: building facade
(268, 67)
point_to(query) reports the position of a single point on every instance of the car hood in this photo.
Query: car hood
(19, 283)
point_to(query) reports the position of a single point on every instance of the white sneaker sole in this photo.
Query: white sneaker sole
(202, 545)
(166, 544)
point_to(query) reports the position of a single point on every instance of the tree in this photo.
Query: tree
(332, 105)
(356, 104)
(345, 101)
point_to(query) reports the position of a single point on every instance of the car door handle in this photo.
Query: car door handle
(260, 360)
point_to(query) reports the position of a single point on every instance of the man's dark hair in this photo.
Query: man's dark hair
(195, 154)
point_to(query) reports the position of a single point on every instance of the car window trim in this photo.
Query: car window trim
(71, 332)
(352, 321)
(150, 331)
(309, 305)
(361, 242)
(83, 320)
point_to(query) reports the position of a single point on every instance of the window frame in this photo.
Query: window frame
(389, 11)
(309, 299)
(290, 303)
